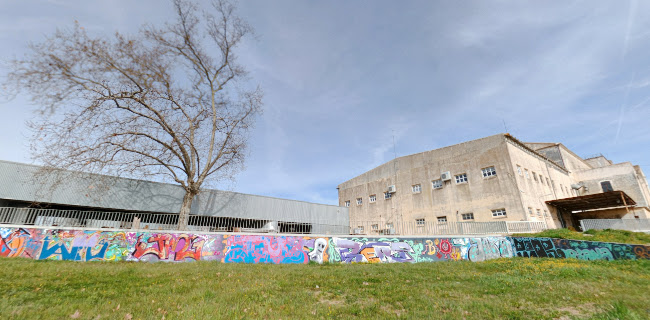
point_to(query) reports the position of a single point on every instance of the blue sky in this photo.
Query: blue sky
(342, 77)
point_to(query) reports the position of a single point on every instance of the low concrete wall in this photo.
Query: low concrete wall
(89, 245)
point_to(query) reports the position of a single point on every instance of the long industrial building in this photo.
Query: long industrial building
(23, 186)
(497, 178)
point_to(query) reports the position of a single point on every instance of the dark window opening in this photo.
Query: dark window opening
(607, 186)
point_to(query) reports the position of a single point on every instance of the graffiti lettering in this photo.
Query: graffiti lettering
(264, 249)
(82, 245)
(14, 244)
(168, 247)
(482, 249)
(584, 250)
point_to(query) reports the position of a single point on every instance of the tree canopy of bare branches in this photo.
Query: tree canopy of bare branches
(168, 102)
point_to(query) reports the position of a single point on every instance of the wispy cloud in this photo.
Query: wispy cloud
(340, 77)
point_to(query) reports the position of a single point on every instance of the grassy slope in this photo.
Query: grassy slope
(500, 289)
(619, 236)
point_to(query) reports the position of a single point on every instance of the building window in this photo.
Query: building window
(442, 219)
(360, 229)
(389, 226)
(387, 195)
(519, 170)
(541, 179)
(545, 213)
(359, 201)
(607, 186)
(416, 188)
(499, 213)
(530, 211)
(527, 175)
(535, 176)
(373, 198)
(375, 227)
(468, 216)
(539, 213)
(437, 184)
(562, 189)
(488, 172)
(347, 203)
(547, 182)
(419, 222)
(461, 178)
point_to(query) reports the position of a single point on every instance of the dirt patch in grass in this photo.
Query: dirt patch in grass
(583, 310)
(328, 299)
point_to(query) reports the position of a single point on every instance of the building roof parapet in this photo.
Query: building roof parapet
(522, 145)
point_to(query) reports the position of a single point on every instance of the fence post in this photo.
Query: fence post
(507, 227)
(582, 225)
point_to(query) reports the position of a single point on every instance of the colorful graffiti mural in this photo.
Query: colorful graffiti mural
(265, 249)
(85, 245)
(173, 247)
(584, 250)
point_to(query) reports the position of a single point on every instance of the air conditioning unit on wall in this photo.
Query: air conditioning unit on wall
(391, 189)
(445, 176)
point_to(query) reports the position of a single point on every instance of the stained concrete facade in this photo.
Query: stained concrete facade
(523, 178)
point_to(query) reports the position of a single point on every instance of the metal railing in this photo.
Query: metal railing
(153, 221)
(641, 225)
(169, 222)
(414, 228)
(525, 226)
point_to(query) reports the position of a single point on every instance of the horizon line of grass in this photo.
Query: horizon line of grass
(606, 235)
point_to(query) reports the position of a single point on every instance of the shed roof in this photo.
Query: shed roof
(603, 200)
(19, 181)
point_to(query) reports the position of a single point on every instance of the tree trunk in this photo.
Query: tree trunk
(186, 208)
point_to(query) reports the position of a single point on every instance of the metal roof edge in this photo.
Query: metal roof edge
(161, 183)
(521, 144)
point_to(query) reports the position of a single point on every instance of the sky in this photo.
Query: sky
(344, 79)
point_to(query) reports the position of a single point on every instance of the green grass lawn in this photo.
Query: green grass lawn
(516, 288)
(607, 235)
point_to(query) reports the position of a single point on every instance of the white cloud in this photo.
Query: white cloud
(339, 77)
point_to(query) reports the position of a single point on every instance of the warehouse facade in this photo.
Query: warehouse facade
(23, 185)
(494, 179)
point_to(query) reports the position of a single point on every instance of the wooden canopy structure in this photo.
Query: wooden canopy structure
(610, 199)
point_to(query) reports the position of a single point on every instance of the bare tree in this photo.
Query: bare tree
(169, 102)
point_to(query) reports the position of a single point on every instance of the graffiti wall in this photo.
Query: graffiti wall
(84, 245)
(584, 250)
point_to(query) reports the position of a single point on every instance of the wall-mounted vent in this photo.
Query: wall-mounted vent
(445, 176)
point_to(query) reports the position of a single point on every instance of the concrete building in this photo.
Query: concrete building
(494, 179)
(22, 186)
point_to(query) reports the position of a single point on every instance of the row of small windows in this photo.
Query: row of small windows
(374, 227)
(372, 198)
(539, 212)
(421, 222)
(435, 184)
(541, 179)
(465, 216)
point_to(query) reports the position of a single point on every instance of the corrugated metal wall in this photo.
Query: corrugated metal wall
(21, 182)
